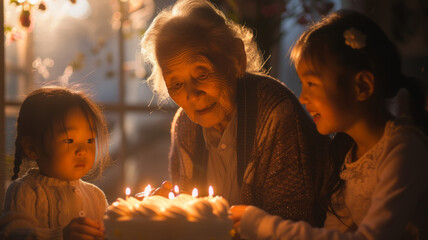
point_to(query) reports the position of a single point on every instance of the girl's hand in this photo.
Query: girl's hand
(236, 214)
(83, 228)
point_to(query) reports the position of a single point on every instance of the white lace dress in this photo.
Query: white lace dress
(385, 193)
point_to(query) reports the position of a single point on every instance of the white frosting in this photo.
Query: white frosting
(183, 207)
(181, 218)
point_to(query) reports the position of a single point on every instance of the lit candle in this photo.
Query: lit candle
(211, 191)
(147, 190)
(195, 192)
(127, 192)
(171, 195)
(176, 189)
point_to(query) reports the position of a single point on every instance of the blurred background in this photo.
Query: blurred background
(96, 44)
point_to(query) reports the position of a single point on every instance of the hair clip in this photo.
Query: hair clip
(354, 38)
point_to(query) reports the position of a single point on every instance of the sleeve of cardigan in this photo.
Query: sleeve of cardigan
(174, 152)
(180, 167)
(287, 189)
(257, 224)
(14, 225)
(19, 219)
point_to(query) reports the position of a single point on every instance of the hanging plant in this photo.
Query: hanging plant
(25, 18)
(27, 6)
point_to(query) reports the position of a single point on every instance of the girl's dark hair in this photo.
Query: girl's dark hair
(323, 48)
(339, 147)
(46, 106)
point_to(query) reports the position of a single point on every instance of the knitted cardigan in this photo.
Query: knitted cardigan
(39, 207)
(278, 149)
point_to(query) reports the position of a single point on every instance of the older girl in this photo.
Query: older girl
(348, 68)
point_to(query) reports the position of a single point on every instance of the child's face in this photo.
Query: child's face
(326, 103)
(71, 148)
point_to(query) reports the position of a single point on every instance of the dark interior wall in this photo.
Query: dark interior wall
(406, 23)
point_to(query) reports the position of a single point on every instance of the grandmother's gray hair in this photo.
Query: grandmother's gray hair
(224, 29)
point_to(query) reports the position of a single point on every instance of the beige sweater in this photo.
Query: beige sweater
(39, 207)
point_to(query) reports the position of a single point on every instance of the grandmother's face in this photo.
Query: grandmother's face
(204, 92)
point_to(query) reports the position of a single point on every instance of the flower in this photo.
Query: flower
(354, 38)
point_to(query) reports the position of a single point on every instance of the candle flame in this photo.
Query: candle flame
(147, 190)
(171, 195)
(176, 189)
(128, 191)
(211, 191)
(195, 192)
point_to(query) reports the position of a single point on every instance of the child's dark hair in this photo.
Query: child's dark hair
(46, 106)
(323, 48)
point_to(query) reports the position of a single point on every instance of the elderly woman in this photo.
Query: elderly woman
(237, 129)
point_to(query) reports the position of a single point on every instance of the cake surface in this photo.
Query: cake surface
(156, 217)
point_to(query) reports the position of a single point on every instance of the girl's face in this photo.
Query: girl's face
(71, 148)
(204, 93)
(329, 106)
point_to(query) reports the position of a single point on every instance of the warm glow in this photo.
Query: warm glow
(147, 190)
(115, 204)
(211, 191)
(81, 9)
(26, 7)
(195, 192)
(176, 189)
(128, 191)
(171, 195)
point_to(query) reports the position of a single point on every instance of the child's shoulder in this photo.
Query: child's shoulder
(27, 180)
(402, 130)
(24, 189)
(89, 185)
(405, 154)
(92, 187)
(405, 142)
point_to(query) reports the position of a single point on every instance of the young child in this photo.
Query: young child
(63, 131)
(378, 187)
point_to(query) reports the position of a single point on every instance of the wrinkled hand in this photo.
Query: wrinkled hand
(236, 214)
(163, 191)
(83, 228)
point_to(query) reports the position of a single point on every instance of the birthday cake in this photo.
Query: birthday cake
(181, 217)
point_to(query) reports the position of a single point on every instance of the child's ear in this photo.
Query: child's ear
(364, 85)
(29, 148)
(241, 57)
